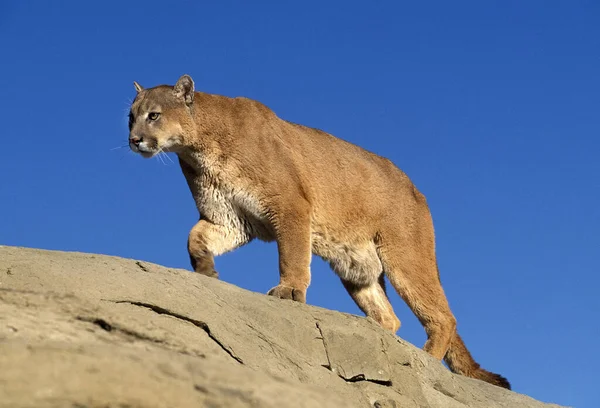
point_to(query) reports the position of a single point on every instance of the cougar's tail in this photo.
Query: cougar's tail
(460, 361)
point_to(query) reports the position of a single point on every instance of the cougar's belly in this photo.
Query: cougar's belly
(356, 262)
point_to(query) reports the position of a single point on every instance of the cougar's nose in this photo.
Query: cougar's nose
(136, 140)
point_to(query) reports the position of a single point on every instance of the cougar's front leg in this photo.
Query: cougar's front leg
(207, 240)
(294, 247)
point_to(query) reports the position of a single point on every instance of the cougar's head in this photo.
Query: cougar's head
(160, 117)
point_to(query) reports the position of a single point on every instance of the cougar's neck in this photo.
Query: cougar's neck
(214, 132)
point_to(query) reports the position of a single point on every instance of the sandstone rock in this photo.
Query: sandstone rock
(84, 330)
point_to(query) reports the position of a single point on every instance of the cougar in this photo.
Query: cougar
(254, 175)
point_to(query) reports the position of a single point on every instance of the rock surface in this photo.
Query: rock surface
(82, 330)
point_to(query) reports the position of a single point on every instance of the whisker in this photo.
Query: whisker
(120, 147)
(158, 156)
(125, 153)
(168, 158)
(161, 154)
(127, 109)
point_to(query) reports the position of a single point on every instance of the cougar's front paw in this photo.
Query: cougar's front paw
(287, 292)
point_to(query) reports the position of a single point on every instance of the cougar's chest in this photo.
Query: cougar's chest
(227, 201)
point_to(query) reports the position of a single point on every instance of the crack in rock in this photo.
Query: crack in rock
(361, 377)
(23, 291)
(353, 379)
(106, 326)
(110, 327)
(385, 348)
(142, 266)
(274, 347)
(328, 365)
(197, 323)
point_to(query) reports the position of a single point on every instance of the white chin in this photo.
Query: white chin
(146, 155)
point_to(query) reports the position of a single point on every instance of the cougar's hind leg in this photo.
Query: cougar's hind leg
(360, 271)
(373, 301)
(410, 265)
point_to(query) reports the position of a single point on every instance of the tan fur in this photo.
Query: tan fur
(254, 175)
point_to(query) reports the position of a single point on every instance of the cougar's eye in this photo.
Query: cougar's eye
(153, 115)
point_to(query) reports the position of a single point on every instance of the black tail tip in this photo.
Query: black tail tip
(496, 379)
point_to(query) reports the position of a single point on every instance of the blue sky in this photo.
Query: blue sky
(492, 108)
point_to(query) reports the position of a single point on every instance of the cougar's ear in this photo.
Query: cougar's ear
(138, 87)
(184, 88)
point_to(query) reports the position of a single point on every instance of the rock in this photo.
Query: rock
(83, 330)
